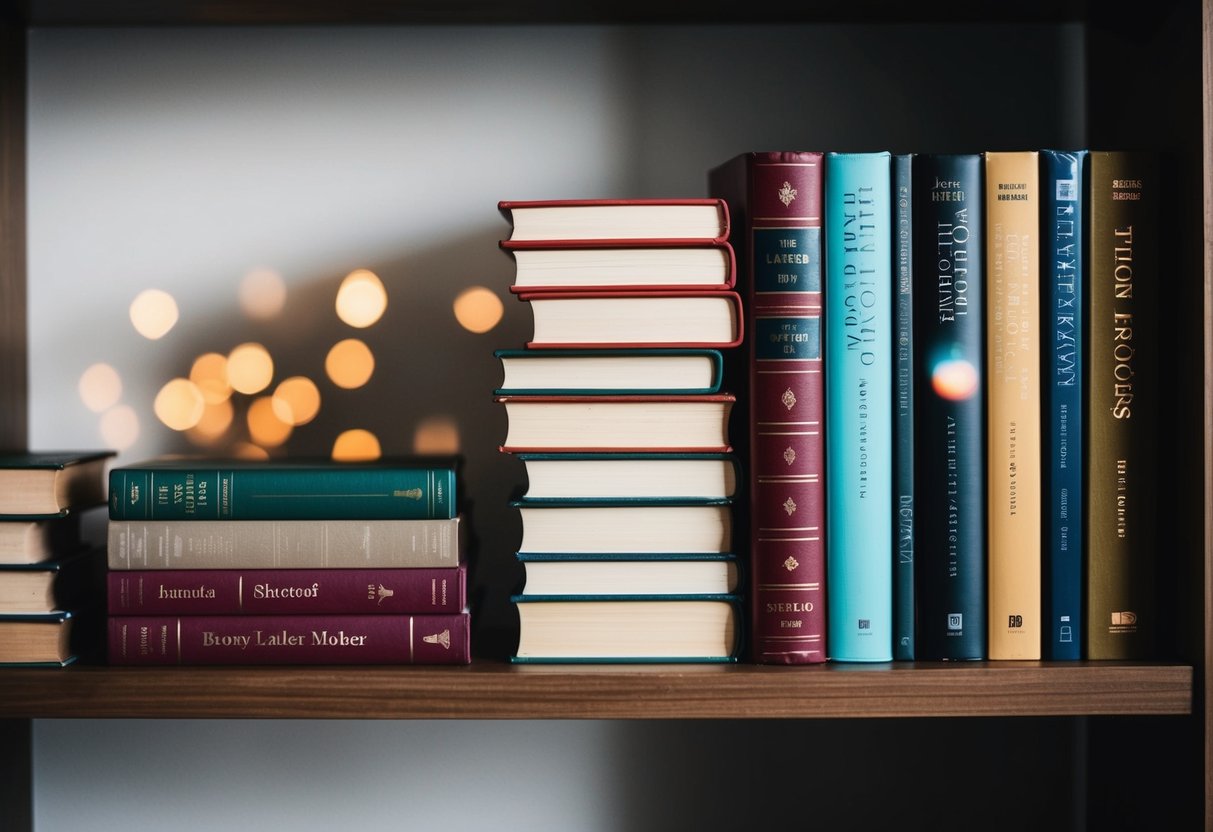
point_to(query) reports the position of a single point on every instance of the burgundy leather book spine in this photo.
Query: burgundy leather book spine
(289, 639)
(286, 591)
(775, 200)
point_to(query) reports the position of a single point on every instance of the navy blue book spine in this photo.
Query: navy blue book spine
(903, 410)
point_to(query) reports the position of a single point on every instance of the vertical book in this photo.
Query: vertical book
(904, 609)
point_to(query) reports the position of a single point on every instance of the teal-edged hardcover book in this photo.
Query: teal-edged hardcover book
(40, 639)
(183, 489)
(588, 372)
(859, 406)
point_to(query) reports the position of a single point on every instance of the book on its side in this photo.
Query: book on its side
(775, 199)
(687, 319)
(630, 476)
(540, 266)
(604, 371)
(1122, 405)
(64, 583)
(557, 220)
(286, 591)
(46, 639)
(904, 610)
(949, 403)
(626, 527)
(859, 407)
(282, 544)
(37, 539)
(1013, 403)
(51, 483)
(185, 489)
(289, 639)
(636, 573)
(611, 629)
(1063, 209)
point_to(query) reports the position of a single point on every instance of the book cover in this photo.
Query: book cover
(561, 220)
(599, 266)
(949, 404)
(904, 611)
(288, 639)
(44, 484)
(1063, 208)
(1122, 409)
(604, 371)
(631, 476)
(197, 490)
(776, 202)
(624, 319)
(859, 406)
(1014, 464)
(286, 591)
(282, 544)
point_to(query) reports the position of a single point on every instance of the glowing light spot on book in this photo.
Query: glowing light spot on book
(209, 372)
(296, 400)
(100, 387)
(249, 368)
(436, 435)
(954, 379)
(153, 313)
(264, 426)
(349, 364)
(179, 404)
(120, 427)
(478, 309)
(262, 294)
(215, 422)
(356, 445)
(247, 450)
(361, 299)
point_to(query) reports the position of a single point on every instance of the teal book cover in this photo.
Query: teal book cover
(859, 406)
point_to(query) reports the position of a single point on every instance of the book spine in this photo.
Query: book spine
(777, 203)
(286, 591)
(903, 414)
(281, 493)
(859, 407)
(949, 423)
(289, 639)
(1063, 208)
(1014, 464)
(282, 544)
(1121, 405)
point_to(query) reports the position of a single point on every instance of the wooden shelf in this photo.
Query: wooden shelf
(498, 690)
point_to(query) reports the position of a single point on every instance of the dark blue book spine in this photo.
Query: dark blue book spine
(1062, 226)
(949, 402)
(903, 410)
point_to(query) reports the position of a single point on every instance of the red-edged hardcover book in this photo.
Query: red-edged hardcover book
(687, 220)
(686, 319)
(776, 202)
(620, 265)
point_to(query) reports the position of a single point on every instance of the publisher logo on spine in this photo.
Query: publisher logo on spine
(955, 622)
(1123, 622)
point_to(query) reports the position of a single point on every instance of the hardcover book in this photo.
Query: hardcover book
(689, 220)
(64, 583)
(904, 611)
(1063, 204)
(50, 483)
(949, 404)
(1013, 404)
(605, 371)
(859, 407)
(40, 639)
(634, 319)
(776, 202)
(32, 540)
(637, 573)
(1122, 408)
(626, 527)
(542, 266)
(630, 476)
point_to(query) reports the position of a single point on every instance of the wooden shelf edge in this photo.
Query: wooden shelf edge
(497, 690)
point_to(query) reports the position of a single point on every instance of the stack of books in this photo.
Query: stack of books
(286, 563)
(616, 410)
(49, 579)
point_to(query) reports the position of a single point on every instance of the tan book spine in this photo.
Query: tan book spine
(1013, 375)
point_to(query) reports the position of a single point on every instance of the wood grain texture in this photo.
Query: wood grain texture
(14, 381)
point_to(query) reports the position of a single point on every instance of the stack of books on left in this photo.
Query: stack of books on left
(50, 588)
(615, 408)
(286, 563)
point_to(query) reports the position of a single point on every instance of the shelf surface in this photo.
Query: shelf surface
(498, 690)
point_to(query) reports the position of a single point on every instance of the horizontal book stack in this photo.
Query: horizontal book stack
(50, 581)
(615, 408)
(286, 563)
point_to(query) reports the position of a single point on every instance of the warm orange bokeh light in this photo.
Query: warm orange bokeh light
(153, 313)
(209, 372)
(296, 401)
(264, 426)
(356, 446)
(215, 422)
(100, 387)
(246, 450)
(120, 427)
(262, 294)
(478, 309)
(250, 369)
(179, 404)
(437, 435)
(361, 299)
(349, 363)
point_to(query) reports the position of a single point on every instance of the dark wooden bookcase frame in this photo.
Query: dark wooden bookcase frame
(1157, 712)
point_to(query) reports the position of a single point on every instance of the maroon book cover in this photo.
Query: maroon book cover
(289, 639)
(286, 591)
(776, 203)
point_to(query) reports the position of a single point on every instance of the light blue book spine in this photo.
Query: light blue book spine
(859, 406)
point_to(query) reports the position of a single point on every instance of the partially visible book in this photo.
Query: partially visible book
(1013, 403)
(638, 573)
(640, 422)
(38, 539)
(904, 594)
(67, 582)
(51, 483)
(700, 220)
(1063, 210)
(1122, 405)
(634, 319)
(776, 202)
(39, 639)
(649, 629)
(289, 639)
(630, 476)
(626, 527)
(282, 544)
(859, 407)
(287, 591)
(541, 265)
(597, 371)
(187, 489)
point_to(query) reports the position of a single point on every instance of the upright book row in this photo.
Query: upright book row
(979, 381)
